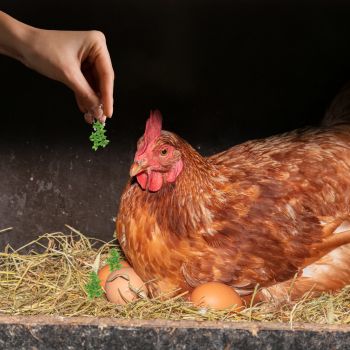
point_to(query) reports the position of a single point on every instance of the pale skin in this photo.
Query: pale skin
(78, 59)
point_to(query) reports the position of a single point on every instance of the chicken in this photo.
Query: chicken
(273, 212)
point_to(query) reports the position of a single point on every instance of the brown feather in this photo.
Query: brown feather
(250, 215)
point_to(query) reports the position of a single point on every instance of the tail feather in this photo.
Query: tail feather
(339, 110)
(329, 274)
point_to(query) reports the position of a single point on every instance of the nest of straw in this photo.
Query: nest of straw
(48, 277)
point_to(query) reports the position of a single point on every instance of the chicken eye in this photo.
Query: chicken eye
(164, 152)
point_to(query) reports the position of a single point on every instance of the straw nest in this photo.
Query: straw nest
(48, 277)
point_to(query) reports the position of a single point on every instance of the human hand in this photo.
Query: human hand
(79, 59)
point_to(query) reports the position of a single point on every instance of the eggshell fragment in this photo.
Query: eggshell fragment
(105, 271)
(123, 286)
(215, 295)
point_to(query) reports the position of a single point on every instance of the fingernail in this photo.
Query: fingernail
(88, 117)
(102, 119)
(95, 112)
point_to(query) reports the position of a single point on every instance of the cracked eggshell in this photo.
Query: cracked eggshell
(123, 286)
(104, 272)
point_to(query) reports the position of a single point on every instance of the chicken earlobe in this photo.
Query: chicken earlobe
(175, 171)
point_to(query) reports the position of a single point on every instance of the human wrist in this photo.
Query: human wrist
(26, 44)
(15, 37)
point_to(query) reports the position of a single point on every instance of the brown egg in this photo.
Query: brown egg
(215, 295)
(105, 271)
(123, 286)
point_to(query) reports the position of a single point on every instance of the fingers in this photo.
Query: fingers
(104, 69)
(91, 76)
(95, 113)
(88, 102)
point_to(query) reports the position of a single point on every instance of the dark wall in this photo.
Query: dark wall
(221, 72)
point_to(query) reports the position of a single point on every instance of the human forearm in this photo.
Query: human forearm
(13, 36)
(60, 55)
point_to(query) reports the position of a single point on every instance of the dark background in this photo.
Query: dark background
(220, 71)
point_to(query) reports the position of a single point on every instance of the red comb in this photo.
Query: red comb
(153, 126)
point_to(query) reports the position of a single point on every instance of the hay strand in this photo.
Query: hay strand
(50, 279)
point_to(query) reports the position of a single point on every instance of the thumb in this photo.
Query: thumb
(86, 97)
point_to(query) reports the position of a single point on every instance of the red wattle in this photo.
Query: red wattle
(155, 181)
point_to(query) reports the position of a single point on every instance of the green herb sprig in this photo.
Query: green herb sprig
(98, 137)
(93, 287)
(113, 260)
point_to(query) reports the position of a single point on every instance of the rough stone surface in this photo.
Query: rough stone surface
(90, 333)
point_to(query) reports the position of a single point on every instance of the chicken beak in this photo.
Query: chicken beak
(137, 168)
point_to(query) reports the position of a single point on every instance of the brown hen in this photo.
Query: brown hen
(271, 212)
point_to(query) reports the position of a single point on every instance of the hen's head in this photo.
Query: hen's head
(157, 161)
